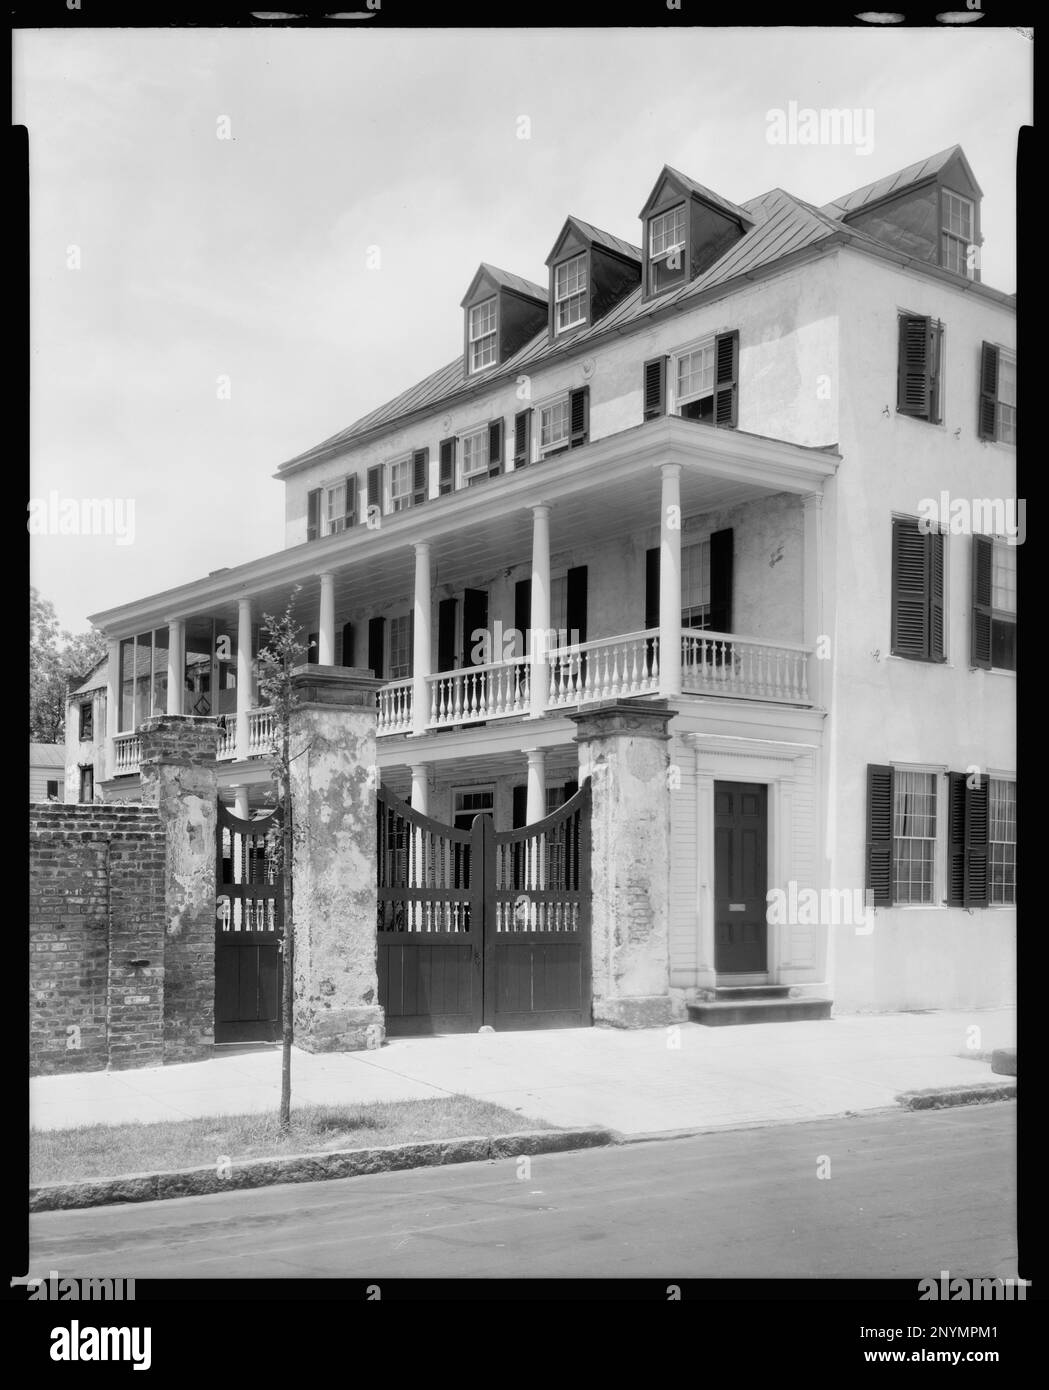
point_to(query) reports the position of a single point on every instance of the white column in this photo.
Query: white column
(243, 677)
(326, 623)
(112, 708)
(540, 619)
(240, 802)
(421, 788)
(670, 581)
(176, 665)
(421, 643)
(536, 784)
(813, 618)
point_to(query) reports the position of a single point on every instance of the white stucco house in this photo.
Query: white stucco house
(704, 467)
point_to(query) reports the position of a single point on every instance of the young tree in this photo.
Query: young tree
(282, 652)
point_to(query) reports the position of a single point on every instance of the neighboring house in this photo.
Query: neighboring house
(702, 463)
(47, 763)
(85, 750)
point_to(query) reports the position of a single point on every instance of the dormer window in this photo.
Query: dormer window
(957, 232)
(666, 248)
(570, 286)
(483, 336)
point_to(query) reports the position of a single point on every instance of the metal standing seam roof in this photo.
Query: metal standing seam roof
(781, 225)
(892, 183)
(606, 239)
(47, 755)
(507, 280)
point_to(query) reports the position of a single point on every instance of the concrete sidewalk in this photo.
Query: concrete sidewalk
(688, 1077)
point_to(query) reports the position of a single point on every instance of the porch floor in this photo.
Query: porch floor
(630, 1081)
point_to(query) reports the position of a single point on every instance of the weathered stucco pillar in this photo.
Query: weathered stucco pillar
(622, 749)
(333, 785)
(178, 773)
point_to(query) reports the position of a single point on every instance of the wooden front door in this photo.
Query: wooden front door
(740, 877)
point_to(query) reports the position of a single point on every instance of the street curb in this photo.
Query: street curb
(940, 1097)
(313, 1167)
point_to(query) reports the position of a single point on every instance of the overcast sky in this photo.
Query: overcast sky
(246, 258)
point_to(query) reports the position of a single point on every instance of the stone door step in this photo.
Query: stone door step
(748, 1006)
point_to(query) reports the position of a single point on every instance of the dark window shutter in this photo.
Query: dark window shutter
(987, 424)
(447, 477)
(475, 618)
(721, 548)
(652, 587)
(579, 416)
(910, 589)
(313, 514)
(914, 368)
(655, 388)
(522, 438)
(726, 379)
(351, 501)
(935, 543)
(520, 807)
(420, 476)
(570, 790)
(446, 611)
(980, 615)
(375, 486)
(313, 648)
(879, 835)
(376, 646)
(977, 815)
(956, 839)
(347, 644)
(575, 604)
(495, 448)
(523, 613)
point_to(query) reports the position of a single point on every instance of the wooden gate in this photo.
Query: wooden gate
(483, 926)
(249, 926)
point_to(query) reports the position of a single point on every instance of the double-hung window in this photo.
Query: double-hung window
(993, 609)
(475, 455)
(666, 248)
(483, 341)
(400, 484)
(997, 417)
(695, 585)
(400, 662)
(570, 288)
(335, 509)
(694, 382)
(957, 233)
(914, 836)
(1002, 843)
(554, 426)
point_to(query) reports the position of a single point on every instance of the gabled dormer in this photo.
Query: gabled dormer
(590, 272)
(501, 312)
(686, 229)
(930, 210)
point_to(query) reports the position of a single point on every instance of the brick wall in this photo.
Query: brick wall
(96, 937)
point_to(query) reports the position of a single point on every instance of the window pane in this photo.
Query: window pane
(127, 685)
(695, 373)
(914, 832)
(553, 424)
(695, 584)
(475, 453)
(1003, 578)
(1003, 841)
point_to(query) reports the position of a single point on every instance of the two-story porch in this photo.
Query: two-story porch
(669, 560)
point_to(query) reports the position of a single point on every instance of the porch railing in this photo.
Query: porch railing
(720, 663)
(127, 752)
(261, 730)
(395, 708)
(479, 692)
(607, 669)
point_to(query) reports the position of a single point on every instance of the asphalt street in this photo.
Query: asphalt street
(896, 1195)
